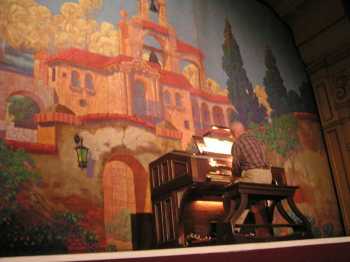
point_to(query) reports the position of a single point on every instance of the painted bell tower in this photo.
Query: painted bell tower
(150, 22)
(156, 6)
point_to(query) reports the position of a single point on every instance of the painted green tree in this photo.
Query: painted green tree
(307, 98)
(295, 103)
(275, 89)
(23, 110)
(241, 92)
(281, 100)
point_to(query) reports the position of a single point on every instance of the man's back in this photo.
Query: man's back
(248, 153)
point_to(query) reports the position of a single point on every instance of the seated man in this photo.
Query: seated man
(250, 164)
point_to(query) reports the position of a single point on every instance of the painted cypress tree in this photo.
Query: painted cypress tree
(275, 89)
(307, 97)
(295, 103)
(239, 87)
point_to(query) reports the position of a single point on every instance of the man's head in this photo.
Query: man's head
(237, 129)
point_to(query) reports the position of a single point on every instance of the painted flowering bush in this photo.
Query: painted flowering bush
(26, 229)
(280, 135)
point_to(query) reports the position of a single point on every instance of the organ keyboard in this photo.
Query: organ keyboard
(179, 177)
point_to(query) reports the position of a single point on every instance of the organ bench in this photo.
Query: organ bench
(240, 196)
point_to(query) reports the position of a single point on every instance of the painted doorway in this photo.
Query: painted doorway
(119, 204)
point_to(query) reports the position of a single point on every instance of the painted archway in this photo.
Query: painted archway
(196, 114)
(153, 43)
(140, 176)
(218, 116)
(22, 108)
(30, 95)
(119, 203)
(191, 71)
(124, 167)
(206, 122)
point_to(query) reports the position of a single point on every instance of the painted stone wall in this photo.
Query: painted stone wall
(63, 188)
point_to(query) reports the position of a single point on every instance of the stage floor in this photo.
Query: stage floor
(323, 249)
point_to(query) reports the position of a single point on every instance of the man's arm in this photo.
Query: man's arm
(236, 168)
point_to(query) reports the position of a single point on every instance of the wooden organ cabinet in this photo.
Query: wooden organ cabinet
(189, 191)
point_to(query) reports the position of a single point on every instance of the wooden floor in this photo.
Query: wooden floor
(326, 249)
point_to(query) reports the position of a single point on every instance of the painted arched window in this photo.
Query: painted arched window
(75, 79)
(196, 114)
(152, 50)
(178, 100)
(205, 116)
(89, 83)
(229, 115)
(53, 74)
(22, 110)
(139, 99)
(191, 71)
(154, 10)
(218, 116)
(167, 98)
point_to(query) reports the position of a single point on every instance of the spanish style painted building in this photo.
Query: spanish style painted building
(130, 85)
(129, 109)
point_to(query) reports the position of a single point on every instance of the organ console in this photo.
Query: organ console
(194, 197)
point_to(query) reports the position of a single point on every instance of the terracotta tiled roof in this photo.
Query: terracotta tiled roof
(55, 117)
(180, 81)
(116, 117)
(32, 147)
(175, 79)
(183, 47)
(78, 120)
(210, 97)
(118, 59)
(86, 58)
(169, 133)
(41, 55)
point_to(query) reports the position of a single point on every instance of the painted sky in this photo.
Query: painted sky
(201, 23)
